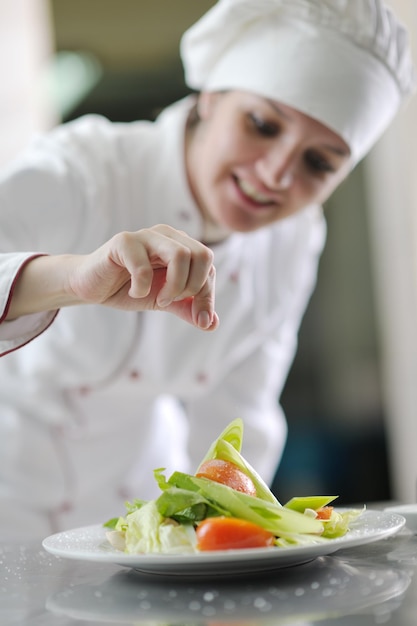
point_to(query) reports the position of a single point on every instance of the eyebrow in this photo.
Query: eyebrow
(343, 152)
(278, 109)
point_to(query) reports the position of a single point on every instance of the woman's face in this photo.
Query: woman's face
(252, 161)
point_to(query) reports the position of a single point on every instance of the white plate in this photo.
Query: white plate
(90, 544)
(409, 512)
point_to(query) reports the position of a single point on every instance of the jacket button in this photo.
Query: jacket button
(184, 215)
(134, 375)
(234, 276)
(201, 377)
(66, 507)
(123, 493)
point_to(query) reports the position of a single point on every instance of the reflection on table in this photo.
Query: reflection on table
(373, 584)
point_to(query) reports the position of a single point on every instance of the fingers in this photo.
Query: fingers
(127, 251)
(186, 268)
(141, 272)
(199, 310)
(202, 308)
(187, 263)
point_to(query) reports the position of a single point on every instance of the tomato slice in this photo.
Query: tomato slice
(227, 473)
(325, 512)
(230, 533)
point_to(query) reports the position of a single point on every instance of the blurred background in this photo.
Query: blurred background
(351, 396)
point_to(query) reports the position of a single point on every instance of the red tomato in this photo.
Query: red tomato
(230, 533)
(325, 512)
(228, 474)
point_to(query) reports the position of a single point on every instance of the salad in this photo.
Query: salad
(225, 505)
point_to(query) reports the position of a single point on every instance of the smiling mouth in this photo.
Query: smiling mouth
(252, 193)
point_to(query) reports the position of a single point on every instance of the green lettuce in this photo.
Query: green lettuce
(339, 523)
(300, 504)
(146, 530)
(227, 447)
(167, 524)
(270, 516)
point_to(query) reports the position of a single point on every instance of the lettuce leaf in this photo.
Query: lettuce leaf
(146, 530)
(168, 523)
(309, 502)
(227, 447)
(339, 522)
(270, 516)
(232, 434)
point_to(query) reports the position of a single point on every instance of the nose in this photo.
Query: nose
(285, 181)
(276, 167)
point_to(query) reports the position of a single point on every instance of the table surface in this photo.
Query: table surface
(372, 584)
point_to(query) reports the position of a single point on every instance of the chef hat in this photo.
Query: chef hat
(346, 63)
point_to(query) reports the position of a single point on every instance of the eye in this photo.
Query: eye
(317, 163)
(262, 126)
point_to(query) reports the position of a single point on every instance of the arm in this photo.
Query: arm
(158, 268)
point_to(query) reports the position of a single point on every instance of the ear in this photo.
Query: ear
(206, 103)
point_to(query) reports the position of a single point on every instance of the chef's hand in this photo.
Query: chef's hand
(157, 268)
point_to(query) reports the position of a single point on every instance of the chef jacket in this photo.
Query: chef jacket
(101, 398)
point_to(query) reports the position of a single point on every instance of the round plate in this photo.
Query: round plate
(90, 544)
(408, 511)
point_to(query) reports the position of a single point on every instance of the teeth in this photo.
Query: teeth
(250, 191)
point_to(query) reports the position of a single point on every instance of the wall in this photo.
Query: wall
(25, 49)
(125, 34)
(392, 202)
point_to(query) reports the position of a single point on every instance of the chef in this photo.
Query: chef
(108, 384)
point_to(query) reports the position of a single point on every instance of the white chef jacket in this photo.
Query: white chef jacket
(102, 397)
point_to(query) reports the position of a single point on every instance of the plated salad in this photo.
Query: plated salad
(225, 505)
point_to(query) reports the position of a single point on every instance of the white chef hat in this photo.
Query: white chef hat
(346, 63)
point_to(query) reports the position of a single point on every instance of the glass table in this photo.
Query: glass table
(372, 584)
